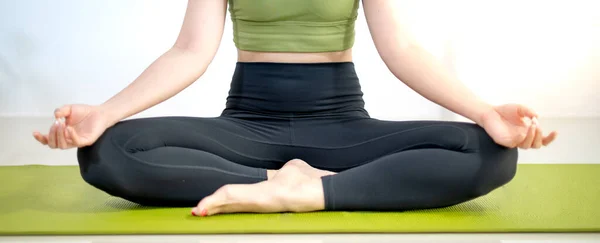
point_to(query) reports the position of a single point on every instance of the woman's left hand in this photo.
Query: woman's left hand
(515, 125)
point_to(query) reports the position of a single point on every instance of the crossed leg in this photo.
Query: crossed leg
(449, 163)
(228, 168)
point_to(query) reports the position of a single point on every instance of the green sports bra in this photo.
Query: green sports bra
(293, 25)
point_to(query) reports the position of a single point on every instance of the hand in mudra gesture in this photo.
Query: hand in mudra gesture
(82, 127)
(514, 125)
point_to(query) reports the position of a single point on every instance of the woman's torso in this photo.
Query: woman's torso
(293, 31)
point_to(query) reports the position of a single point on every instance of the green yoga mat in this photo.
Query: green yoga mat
(542, 198)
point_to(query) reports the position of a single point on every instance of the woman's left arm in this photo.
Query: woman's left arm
(423, 73)
(416, 67)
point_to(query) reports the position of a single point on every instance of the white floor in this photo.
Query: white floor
(578, 142)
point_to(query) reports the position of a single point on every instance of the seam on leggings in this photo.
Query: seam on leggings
(130, 155)
(131, 138)
(464, 134)
(340, 147)
(236, 152)
(403, 149)
(371, 140)
(406, 148)
(243, 137)
(228, 149)
(329, 167)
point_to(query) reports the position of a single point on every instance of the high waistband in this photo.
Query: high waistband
(295, 90)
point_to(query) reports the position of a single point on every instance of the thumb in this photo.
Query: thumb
(62, 111)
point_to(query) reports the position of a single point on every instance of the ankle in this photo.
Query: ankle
(306, 196)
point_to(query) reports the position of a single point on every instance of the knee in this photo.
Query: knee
(95, 155)
(101, 163)
(110, 174)
(96, 169)
(498, 168)
(108, 166)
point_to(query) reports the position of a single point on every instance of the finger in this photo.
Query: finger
(52, 135)
(526, 111)
(548, 139)
(60, 136)
(62, 111)
(537, 141)
(40, 138)
(526, 144)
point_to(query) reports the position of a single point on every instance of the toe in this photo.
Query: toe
(210, 205)
(202, 208)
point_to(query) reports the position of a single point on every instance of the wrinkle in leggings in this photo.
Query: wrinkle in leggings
(276, 112)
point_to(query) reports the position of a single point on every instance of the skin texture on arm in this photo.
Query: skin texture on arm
(416, 67)
(178, 67)
(510, 125)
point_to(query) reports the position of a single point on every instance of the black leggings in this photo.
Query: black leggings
(315, 112)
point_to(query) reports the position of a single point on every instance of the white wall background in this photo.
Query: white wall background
(545, 54)
(54, 52)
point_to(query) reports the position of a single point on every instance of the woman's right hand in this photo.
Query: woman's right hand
(82, 127)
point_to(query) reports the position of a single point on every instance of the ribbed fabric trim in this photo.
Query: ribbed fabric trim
(294, 36)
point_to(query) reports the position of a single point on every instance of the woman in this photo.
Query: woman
(294, 135)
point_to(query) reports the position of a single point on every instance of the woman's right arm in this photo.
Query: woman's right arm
(178, 67)
(172, 72)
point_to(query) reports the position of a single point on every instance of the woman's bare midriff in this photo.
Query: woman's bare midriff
(293, 57)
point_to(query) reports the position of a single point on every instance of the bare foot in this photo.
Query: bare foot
(294, 188)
